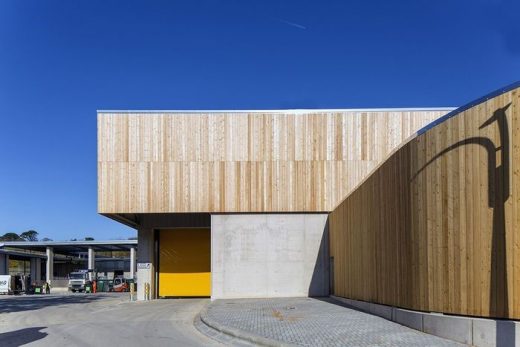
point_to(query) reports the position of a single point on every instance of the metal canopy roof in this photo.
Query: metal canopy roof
(23, 253)
(65, 247)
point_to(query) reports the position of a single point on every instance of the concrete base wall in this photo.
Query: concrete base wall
(269, 255)
(467, 330)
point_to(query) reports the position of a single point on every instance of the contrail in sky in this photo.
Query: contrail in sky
(296, 25)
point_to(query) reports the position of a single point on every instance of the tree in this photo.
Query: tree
(29, 235)
(88, 238)
(10, 237)
(46, 239)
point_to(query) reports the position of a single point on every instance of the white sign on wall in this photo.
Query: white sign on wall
(144, 266)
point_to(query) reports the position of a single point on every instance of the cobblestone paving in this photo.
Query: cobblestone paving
(314, 322)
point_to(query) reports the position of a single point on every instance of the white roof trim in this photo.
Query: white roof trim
(311, 110)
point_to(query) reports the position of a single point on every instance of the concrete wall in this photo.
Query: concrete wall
(145, 255)
(269, 255)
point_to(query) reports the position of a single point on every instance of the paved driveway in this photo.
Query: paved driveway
(313, 322)
(99, 320)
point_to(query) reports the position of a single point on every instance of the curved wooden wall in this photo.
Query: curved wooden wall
(289, 161)
(436, 227)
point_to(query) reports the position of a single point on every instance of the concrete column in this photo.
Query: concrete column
(49, 269)
(4, 264)
(146, 262)
(36, 269)
(91, 262)
(132, 262)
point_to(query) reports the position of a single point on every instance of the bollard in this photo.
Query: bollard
(147, 291)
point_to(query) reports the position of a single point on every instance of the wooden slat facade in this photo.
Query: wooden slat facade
(291, 161)
(436, 227)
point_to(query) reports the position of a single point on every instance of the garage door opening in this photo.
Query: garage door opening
(185, 263)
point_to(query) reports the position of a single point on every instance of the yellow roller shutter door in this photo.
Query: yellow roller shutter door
(184, 262)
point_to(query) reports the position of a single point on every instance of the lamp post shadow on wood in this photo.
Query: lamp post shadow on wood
(498, 194)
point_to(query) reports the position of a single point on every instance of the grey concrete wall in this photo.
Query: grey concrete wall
(269, 255)
(145, 254)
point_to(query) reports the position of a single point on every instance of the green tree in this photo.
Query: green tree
(88, 238)
(10, 237)
(46, 239)
(29, 235)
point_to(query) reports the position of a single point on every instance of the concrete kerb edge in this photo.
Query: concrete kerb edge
(210, 332)
(238, 333)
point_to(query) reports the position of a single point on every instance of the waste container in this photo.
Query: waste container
(103, 285)
(100, 286)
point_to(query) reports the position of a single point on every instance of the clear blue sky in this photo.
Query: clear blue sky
(60, 61)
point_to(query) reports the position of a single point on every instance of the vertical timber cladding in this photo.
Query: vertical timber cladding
(185, 262)
(254, 161)
(436, 227)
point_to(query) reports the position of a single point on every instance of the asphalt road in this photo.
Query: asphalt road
(99, 320)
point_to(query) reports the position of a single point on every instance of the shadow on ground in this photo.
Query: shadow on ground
(35, 302)
(21, 337)
(336, 302)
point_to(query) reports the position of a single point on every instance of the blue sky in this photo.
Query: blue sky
(60, 61)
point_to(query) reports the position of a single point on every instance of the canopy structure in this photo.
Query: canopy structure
(72, 247)
(49, 250)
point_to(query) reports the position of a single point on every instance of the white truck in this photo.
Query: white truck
(77, 281)
(5, 284)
